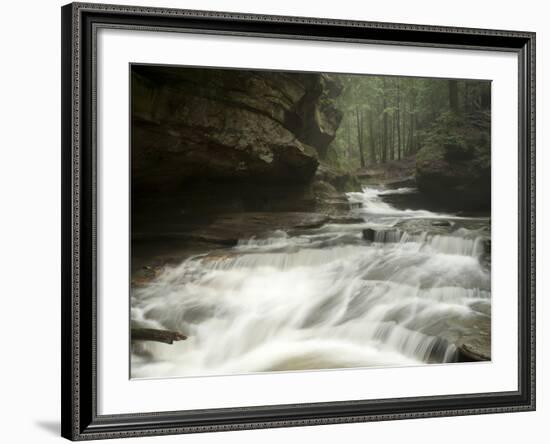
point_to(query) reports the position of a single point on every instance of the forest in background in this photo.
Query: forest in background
(391, 118)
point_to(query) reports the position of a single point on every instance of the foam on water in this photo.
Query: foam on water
(325, 299)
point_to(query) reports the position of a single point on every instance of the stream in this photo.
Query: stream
(403, 287)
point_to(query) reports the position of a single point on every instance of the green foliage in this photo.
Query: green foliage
(457, 137)
(446, 135)
(387, 118)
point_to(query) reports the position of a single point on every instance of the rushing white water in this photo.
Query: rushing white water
(324, 298)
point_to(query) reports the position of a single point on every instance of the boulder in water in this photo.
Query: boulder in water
(469, 352)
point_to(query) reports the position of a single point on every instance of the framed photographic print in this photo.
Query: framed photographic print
(281, 221)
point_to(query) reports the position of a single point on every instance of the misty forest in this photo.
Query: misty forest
(298, 221)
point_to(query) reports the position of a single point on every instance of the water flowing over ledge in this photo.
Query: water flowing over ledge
(325, 297)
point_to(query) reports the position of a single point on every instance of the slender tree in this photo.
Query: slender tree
(385, 121)
(453, 96)
(372, 139)
(359, 116)
(398, 120)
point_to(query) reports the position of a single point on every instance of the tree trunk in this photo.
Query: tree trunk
(385, 117)
(359, 116)
(453, 96)
(348, 133)
(468, 98)
(412, 126)
(379, 137)
(398, 117)
(392, 137)
(485, 96)
(372, 139)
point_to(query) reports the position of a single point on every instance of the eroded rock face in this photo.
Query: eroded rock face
(229, 125)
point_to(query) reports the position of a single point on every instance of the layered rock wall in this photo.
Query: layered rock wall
(211, 125)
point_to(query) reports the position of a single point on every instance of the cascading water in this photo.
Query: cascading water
(323, 298)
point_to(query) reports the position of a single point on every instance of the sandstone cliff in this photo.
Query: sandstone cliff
(256, 127)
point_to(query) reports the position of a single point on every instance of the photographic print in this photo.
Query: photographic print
(287, 221)
(300, 215)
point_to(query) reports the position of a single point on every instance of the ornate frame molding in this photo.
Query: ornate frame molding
(80, 22)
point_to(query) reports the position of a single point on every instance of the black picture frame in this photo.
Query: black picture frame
(79, 390)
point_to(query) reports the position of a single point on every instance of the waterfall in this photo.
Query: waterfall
(323, 298)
